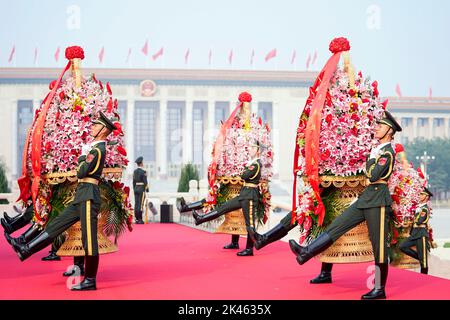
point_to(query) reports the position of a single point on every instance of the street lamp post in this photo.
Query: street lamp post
(425, 159)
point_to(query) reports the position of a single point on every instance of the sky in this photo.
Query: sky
(394, 41)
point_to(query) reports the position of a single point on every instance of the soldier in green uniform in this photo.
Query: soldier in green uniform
(85, 207)
(419, 233)
(372, 206)
(248, 199)
(140, 186)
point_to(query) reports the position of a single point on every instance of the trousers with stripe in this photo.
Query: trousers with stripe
(138, 204)
(421, 252)
(235, 204)
(377, 222)
(87, 213)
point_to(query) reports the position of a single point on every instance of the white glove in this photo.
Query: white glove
(85, 149)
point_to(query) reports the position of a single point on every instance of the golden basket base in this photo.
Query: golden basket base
(73, 246)
(353, 247)
(234, 223)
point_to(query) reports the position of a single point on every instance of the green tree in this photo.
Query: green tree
(438, 168)
(188, 172)
(3, 182)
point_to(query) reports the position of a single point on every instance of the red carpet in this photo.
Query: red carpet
(170, 261)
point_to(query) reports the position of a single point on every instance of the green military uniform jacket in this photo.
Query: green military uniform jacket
(251, 174)
(90, 166)
(379, 168)
(140, 183)
(421, 218)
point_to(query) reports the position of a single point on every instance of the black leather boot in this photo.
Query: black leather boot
(325, 274)
(15, 224)
(51, 257)
(248, 251)
(270, 236)
(321, 243)
(8, 218)
(25, 251)
(182, 206)
(77, 268)
(234, 242)
(381, 273)
(424, 270)
(32, 232)
(89, 282)
(199, 219)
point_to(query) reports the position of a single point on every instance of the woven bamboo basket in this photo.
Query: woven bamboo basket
(234, 222)
(73, 246)
(405, 261)
(354, 246)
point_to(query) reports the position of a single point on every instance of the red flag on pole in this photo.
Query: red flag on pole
(35, 55)
(145, 48)
(158, 54)
(101, 54)
(210, 56)
(128, 56)
(294, 56)
(308, 61)
(186, 56)
(271, 54)
(57, 54)
(11, 55)
(314, 58)
(430, 93)
(252, 57)
(230, 57)
(398, 90)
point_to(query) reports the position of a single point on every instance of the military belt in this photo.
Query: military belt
(88, 180)
(423, 225)
(376, 182)
(139, 183)
(251, 185)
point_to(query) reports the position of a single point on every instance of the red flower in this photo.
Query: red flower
(86, 119)
(355, 117)
(360, 74)
(100, 84)
(267, 128)
(260, 121)
(108, 87)
(328, 118)
(301, 218)
(307, 111)
(384, 104)
(74, 52)
(77, 108)
(52, 84)
(115, 103)
(127, 191)
(109, 105)
(122, 151)
(324, 156)
(355, 131)
(375, 88)
(354, 106)
(370, 117)
(365, 100)
(62, 95)
(48, 146)
(118, 131)
(339, 45)
(399, 148)
(94, 78)
(245, 97)
(351, 92)
(57, 115)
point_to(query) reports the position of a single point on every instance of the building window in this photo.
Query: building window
(145, 121)
(406, 122)
(221, 112)
(422, 122)
(265, 112)
(404, 140)
(175, 136)
(438, 122)
(24, 120)
(198, 129)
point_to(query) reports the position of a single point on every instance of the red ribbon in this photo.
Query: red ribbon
(36, 139)
(312, 135)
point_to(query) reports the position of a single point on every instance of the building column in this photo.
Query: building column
(130, 135)
(15, 171)
(36, 104)
(414, 124)
(187, 137)
(255, 104)
(162, 150)
(210, 132)
(430, 126)
(446, 124)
